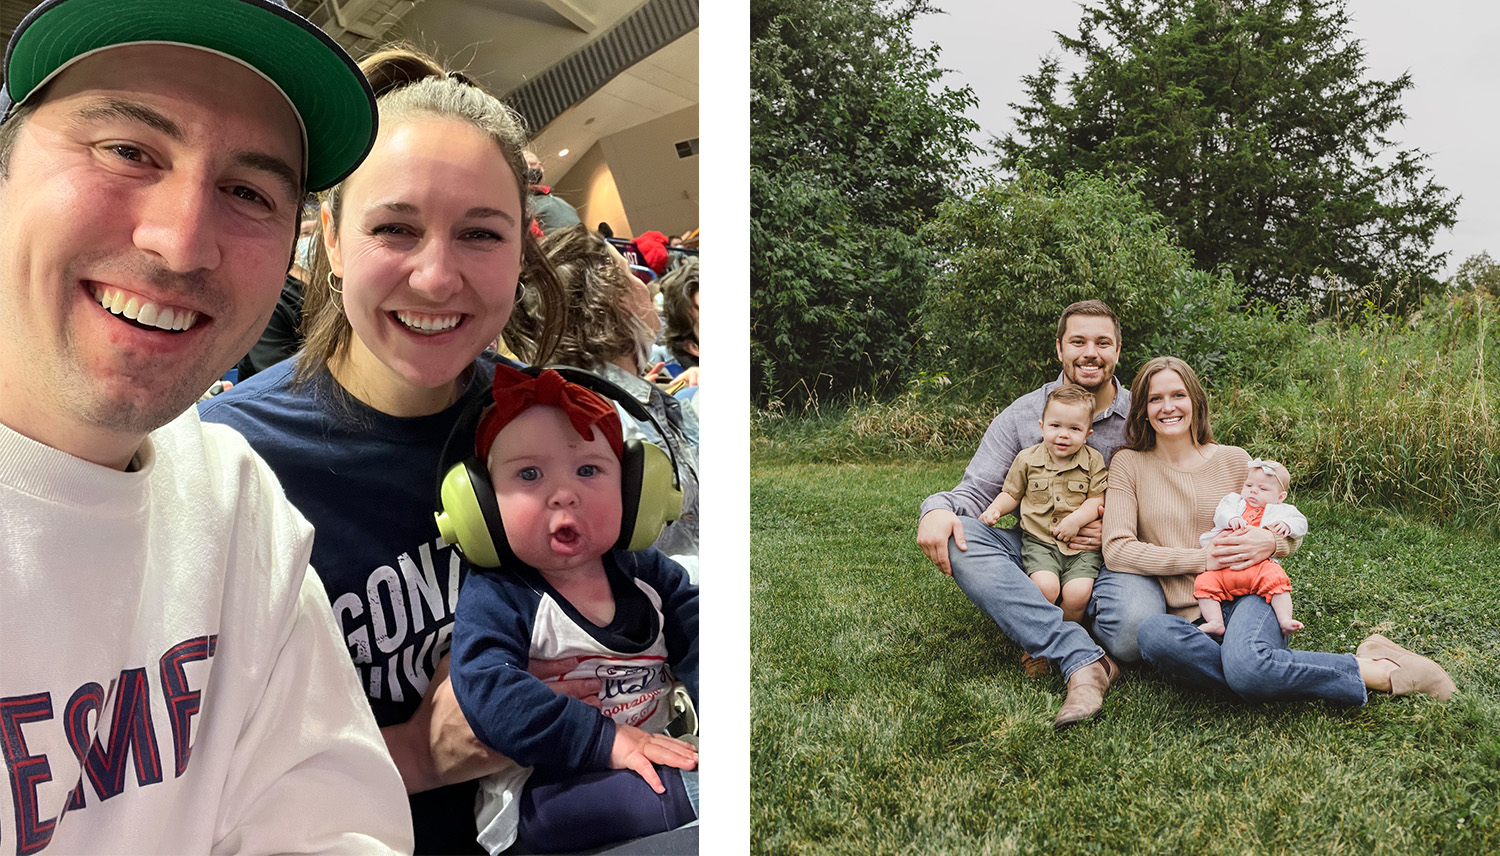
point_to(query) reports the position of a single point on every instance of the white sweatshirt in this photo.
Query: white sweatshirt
(163, 624)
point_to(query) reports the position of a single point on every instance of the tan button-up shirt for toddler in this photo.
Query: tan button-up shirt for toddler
(1048, 492)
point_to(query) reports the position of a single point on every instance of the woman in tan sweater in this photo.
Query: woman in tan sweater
(1164, 484)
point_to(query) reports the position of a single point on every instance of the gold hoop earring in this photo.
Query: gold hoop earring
(333, 288)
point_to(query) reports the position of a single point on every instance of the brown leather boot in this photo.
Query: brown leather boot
(1034, 667)
(1086, 691)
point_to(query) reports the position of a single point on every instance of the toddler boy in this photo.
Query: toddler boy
(1058, 487)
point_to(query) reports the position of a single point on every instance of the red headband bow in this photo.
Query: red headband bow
(517, 391)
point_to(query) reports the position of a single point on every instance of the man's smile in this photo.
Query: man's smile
(143, 312)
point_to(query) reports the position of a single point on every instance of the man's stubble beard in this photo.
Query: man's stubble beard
(140, 414)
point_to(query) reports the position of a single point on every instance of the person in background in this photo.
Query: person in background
(550, 212)
(653, 247)
(172, 680)
(610, 325)
(283, 334)
(680, 304)
(421, 254)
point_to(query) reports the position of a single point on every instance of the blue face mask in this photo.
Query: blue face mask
(305, 252)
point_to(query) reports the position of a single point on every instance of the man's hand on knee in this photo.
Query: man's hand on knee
(933, 532)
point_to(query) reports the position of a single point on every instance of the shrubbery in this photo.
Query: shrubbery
(853, 143)
(1380, 409)
(1228, 339)
(1016, 254)
(831, 299)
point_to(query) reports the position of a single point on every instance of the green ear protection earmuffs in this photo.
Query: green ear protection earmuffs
(468, 516)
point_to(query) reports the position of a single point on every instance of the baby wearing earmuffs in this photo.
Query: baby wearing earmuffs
(590, 776)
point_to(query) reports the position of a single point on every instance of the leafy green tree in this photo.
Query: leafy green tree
(852, 146)
(1478, 273)
(1256, 134)
(1017, 253)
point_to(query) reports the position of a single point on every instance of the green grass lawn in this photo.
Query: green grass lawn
(890, 716)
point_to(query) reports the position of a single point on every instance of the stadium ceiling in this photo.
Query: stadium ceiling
(578, 70)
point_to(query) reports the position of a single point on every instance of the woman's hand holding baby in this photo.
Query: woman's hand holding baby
(1239, 550)
(638, 750)
(436, 746)
(585, 690)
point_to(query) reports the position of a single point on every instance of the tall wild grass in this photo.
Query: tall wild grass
(1404, 414)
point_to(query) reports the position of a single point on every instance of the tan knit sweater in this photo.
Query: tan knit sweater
(1154, 513)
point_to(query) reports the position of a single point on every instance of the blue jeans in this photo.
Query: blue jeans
(1119, 604)
(990, 574)
(1253, 661)
(565, 811)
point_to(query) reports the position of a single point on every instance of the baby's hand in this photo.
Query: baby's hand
(637, 750)
(1064, 531)
(989, 516)
(1280, 528)
(1238, 524)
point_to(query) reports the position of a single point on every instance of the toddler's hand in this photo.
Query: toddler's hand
(989, 516)
(637, 750)
(1280, 528)
(1064, 531)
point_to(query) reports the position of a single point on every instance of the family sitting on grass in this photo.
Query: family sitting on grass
(1209, 613)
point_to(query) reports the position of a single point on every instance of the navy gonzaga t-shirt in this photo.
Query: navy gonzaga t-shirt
(367, 482)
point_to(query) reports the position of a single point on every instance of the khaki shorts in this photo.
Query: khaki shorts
(1040, 556)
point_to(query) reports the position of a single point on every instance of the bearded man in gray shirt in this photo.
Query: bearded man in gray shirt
(986, 562)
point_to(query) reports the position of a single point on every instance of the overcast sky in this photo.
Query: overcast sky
(1451, 48)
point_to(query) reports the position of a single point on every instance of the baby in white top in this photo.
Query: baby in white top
(1258, 503)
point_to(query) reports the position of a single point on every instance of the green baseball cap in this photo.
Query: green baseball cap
(330, 96)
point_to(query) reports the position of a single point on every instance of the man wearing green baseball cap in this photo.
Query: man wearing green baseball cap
(171, 680)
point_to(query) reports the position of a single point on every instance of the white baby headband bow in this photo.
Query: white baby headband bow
(1268, 467)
